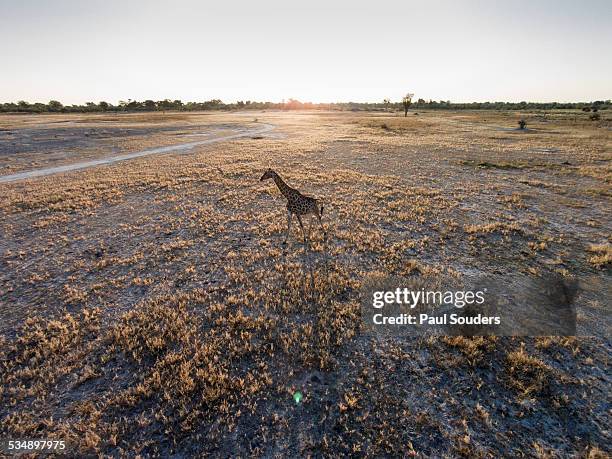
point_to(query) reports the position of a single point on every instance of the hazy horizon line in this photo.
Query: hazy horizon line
(287, 100)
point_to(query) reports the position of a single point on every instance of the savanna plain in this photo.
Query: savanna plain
(149, 307)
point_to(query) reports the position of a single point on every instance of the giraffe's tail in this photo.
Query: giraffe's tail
(321, 210)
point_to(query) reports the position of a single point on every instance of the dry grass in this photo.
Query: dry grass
(151, 309)
(473, 350)
(527, 374)
(602, 255)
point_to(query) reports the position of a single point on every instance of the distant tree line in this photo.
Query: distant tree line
(55, 106)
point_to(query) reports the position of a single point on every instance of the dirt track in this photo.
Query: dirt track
(181, 147)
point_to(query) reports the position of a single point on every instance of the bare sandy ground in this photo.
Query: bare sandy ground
(180, 147)
(45, 141)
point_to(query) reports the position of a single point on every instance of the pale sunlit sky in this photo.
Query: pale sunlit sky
(320, 51)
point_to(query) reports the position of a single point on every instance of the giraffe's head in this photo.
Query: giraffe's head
(268, 174)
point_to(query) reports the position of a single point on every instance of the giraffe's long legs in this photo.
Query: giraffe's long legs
(289, 217)
(322, 229)
(302, 226)
(310, 227)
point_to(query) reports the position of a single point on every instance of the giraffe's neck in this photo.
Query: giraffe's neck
(283, 187)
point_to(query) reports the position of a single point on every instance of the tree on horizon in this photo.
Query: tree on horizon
(407, 101)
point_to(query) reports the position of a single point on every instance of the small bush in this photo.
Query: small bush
(522, 124)
(595, 117)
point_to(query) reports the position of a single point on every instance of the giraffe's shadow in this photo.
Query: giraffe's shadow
(311, 262)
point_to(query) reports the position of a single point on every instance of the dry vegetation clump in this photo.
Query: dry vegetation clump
(602, 255)
(156, 327)
(527, 374)
(46, 356)
(515, 200)
(31, 360)
(567, 342)
(150, 309)
(502, 227)
(474, 350)
(193, 370)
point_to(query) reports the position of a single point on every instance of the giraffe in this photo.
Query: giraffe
(297, 204)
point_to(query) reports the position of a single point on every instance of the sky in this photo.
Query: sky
(320, 51)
